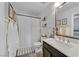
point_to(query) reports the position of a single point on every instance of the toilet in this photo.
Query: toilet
(38, 46)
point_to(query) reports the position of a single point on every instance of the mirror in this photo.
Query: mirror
(67, 19)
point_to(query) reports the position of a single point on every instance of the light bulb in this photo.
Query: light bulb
(57, 4)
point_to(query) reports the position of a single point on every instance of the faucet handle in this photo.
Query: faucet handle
(67, 41)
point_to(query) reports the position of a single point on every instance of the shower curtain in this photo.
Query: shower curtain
(29, 31)
(24, 24)
(36, 30)
(12, 38)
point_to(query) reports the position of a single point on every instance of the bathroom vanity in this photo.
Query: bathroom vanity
(50, 51)
(56, 48)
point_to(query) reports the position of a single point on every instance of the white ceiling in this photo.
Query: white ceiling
(31, 8)
(67, 6)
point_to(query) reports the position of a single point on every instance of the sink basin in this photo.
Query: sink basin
(69, 49)
(65, 45)
(61, 45)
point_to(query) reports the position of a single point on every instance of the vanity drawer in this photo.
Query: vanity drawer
(53, 51)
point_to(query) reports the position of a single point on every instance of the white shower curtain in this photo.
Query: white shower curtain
(24, 24)
(36, 33)
(29, 31)
(12, 38)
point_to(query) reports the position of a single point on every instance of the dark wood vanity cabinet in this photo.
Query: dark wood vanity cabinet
(49, 51)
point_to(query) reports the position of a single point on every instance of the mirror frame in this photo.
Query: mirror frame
(73, 37)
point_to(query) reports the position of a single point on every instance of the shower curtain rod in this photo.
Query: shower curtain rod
(29, 16)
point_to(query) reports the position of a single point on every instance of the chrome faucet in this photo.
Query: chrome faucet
(67, 41)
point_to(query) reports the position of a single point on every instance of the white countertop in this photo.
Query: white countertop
(71, 49)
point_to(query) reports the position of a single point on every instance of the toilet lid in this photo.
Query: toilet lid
(37, 44)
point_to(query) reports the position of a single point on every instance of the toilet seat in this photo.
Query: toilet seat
(37, 44)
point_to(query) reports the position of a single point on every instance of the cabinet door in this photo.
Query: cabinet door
(46, 53)
(49, 51)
